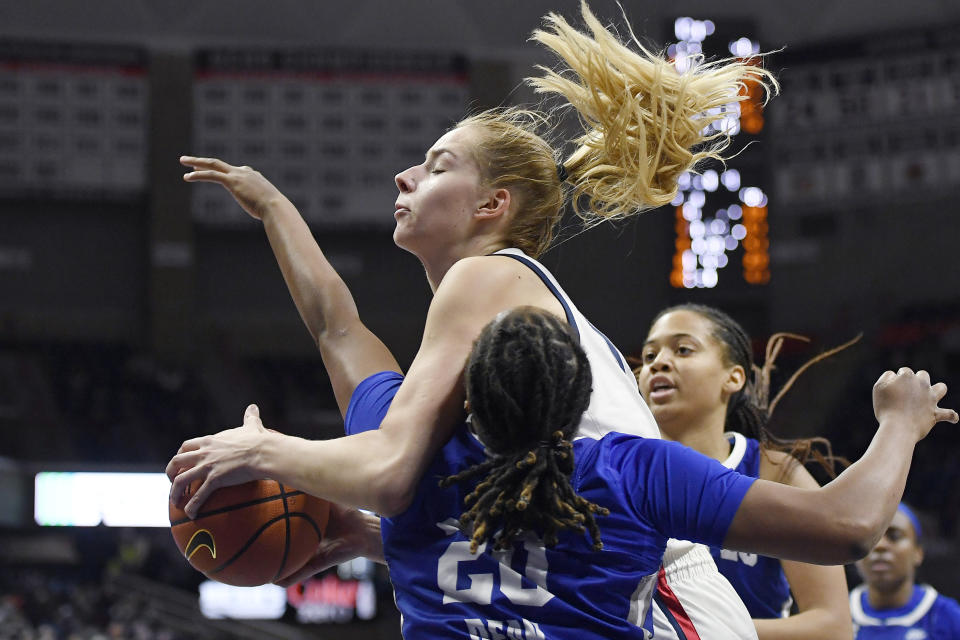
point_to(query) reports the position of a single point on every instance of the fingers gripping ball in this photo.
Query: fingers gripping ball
(251, 534)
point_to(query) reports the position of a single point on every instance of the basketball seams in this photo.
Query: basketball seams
(286, 534)
(232, 507)
(244, 523)
(256, 534)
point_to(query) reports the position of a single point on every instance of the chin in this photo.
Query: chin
(400, 238)
(404, 241)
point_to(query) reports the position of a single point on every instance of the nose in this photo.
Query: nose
(405, 181)
(660, 362)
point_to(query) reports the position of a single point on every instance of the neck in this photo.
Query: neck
(703, 434)
(890, 598)
(436, 264)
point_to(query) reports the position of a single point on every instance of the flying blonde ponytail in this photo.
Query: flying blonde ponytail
(644, 122)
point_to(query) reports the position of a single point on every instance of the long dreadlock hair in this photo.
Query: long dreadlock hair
(528, 383)
(749, 409)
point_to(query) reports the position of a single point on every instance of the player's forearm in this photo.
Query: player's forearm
(867, 493)
(373, 539)
(814, 624)
(320, 294)
(836, 524)
(366, 471)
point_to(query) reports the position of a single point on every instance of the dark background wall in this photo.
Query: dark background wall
(126, 325)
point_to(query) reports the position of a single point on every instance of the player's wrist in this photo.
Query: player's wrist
(267, 459)
(273, 205)
(372, 547)
(900, 427)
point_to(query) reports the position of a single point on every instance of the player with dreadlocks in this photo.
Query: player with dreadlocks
(477, 212)
(527, 386)
(694, 372)
(523, 560)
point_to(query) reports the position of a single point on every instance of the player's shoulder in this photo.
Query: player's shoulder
(949, 606)
(621, 451)
(482, 268)
(370, 401)
(478, 280)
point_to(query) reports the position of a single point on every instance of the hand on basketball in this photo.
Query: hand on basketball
(248, 187)
(911, 398)
(350, 534)
(219, 460)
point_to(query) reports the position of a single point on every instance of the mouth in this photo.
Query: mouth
(400, 211)
(878, 566)
(661, 389)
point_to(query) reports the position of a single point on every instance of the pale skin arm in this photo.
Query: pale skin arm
(350, 351)
(820, 591)
(843, 520)
(376, 470)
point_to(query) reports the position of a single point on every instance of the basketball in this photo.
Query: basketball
(251, 534)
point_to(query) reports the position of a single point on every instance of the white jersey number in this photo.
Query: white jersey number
(749, 559)
(480, 590)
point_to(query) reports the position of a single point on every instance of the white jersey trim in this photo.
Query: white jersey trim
(641, 600)
(861, 618)
(615, 404)
(738, 450)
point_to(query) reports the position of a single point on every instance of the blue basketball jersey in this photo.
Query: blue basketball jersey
(759, 580)
(927, 616)
(529, 591)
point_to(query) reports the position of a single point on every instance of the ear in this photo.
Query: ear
(495, 204)
(736, 378)
(917, 555)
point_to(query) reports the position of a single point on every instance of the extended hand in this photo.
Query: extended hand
(910, 397)
(248, 187)
(350, 534)
(223, 459)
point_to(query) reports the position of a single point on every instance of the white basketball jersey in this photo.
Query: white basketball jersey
(615, 404)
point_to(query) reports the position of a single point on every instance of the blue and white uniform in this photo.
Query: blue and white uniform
(530, 592)
(693, 599)
(927, 616)
(616, 403)
(759, 580)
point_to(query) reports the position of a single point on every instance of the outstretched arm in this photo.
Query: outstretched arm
(350, 351)
(819, 591)
(378, 469)
(842, 521)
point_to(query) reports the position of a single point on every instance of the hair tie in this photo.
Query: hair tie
(561, 172)
(556, 441)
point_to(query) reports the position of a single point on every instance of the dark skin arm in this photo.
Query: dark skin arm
(842, 521)
(350, 351)
(819, 591)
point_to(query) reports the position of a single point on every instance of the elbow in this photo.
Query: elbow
(329, 332)
(836, 623)
(843, 626)
(393, 491)
(860, 536)
(392, 499)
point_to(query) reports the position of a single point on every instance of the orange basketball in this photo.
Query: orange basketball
(252, 533)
